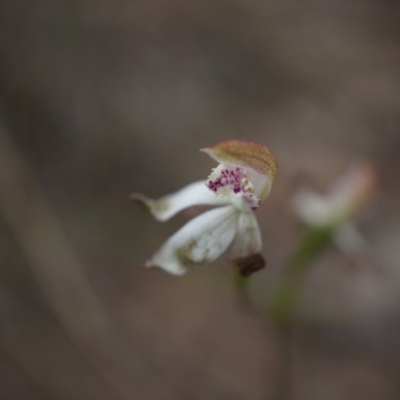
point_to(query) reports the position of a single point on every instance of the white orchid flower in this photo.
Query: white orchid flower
(238, 185)
(336, 209)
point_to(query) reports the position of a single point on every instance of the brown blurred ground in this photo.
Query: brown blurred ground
(105, 97)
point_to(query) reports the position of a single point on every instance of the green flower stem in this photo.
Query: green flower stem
(298, 266)
(241, 289)
(284, 338)
(283, 305)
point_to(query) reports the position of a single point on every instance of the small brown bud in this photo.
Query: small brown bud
(248, 265)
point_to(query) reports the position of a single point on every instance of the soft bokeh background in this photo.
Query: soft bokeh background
(102, 98)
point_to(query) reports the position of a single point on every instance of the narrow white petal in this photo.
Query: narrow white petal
(194, 194)
(200, 241)
(248, 237)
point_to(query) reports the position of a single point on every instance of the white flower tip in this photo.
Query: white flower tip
(157, 208)
(142, 200)
(172, 269)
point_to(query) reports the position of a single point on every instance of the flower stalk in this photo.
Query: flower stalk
(296, 270)
(237, 186)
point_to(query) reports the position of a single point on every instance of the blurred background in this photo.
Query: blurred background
(102, 98)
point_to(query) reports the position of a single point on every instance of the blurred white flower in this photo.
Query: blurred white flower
(336, 209)
(239, 184)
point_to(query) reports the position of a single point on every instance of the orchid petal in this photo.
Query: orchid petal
(247, 241)
(199, 242)
(167, 206)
